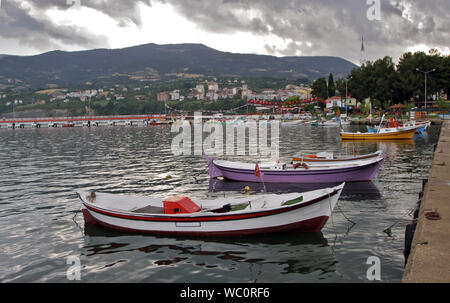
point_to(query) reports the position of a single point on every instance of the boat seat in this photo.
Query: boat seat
(149, 210)
(325, 155)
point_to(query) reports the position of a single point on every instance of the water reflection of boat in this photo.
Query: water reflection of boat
(398, 142)
(287, 253)
(289, 238)
(352, 190)
(291, 122)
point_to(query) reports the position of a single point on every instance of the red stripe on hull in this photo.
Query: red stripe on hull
(308, 226)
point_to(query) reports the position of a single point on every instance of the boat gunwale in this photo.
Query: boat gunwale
(349, 159)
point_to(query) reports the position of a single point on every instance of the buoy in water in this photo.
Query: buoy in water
(168, 177)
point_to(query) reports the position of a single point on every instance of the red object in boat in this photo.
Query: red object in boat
(180, 205)
(392, 123)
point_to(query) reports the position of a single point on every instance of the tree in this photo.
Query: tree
(385, 82)
(331, 86)
(410, 81)
(358, 84)
(319, 88)
(377, 80)
(340, 87)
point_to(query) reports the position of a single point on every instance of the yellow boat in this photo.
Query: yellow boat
(383, 134)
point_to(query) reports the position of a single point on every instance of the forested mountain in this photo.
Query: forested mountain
(152, 62)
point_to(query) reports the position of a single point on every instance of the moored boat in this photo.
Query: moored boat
(291, 122)
(276, 172)
(331, 123)
(326, 158)
(382, 134)
(420, 127)
(254, 214)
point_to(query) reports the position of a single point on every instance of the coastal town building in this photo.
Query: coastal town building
(175, 95)
(341, 102)
(200, 91)
(162, 96)
(213, 86)
(290, 90)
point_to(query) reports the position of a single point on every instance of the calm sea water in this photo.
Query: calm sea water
(41, 224)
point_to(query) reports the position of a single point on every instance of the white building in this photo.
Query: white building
(175, 95)
(212, 95)
(200, 89)
(213, 86)
(333, 101)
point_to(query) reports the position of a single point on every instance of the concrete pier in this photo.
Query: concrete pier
(429, 261)
(80, 121)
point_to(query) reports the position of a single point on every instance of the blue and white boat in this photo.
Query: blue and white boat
(421, 127)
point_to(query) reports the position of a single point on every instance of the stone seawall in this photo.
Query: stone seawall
(429, 260)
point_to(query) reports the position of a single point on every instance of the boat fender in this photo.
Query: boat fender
(304, 165)
(247, 189)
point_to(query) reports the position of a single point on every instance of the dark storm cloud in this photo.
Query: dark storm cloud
(27, 22)
(309, 27)
(122, 10)
(333, 27)
(16, 22)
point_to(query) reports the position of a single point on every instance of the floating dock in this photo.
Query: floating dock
(83, 121)
(429, 259)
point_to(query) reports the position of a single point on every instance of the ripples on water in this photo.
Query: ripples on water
(41, 225)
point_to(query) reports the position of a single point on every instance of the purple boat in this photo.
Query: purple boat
(274, 172)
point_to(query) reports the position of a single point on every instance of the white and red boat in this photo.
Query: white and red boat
(254, 214)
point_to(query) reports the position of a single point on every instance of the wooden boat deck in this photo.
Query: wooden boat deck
(149, 210)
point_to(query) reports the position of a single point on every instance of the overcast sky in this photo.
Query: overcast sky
(274, 27)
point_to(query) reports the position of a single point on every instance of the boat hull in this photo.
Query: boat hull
(306, 226)
(345, 174)
(305, 217)
(398, 135)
